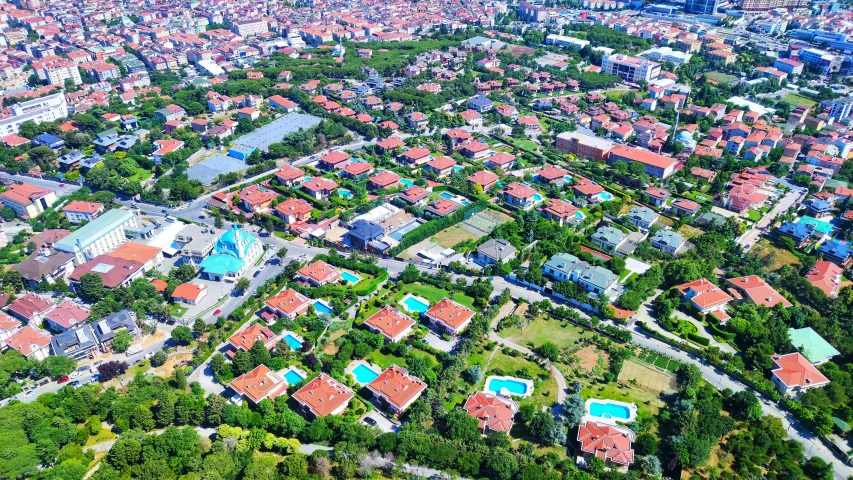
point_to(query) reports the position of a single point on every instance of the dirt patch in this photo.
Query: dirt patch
(647, 378)
(688, 231)
(589, 357)
(449, 237)
(522, 309)
(168, 368)
(330, 348)
(773, 258)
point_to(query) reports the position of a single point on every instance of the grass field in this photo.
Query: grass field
(433, 294)
(449, 237)
(543, 330)
(795, 100)
(525, 144)
(385, 360)
(104, 435)
(690, 232)
(645, 400)
(754, 215)
(178, 310)
(646, 378)
(658, 360)
(774, 257)
(545, 386)
(720, 77)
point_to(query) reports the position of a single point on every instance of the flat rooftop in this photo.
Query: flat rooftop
(206, 170)
(265, 136)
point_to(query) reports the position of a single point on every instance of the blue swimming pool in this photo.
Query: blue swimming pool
(446, 195)
(350, 277)
(537, 197)
(415, 305)
(398, 233)
(407, 182)
(457, 168)
(344, 193)
(363, 374)
(515, 387)
(293, 377)
(321, 307)
(579, 215)
(605, 196)
(567, 178)
(294, 342)
(609, 410)
(307, 179)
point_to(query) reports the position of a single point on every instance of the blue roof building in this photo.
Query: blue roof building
(798, 232)
(818, 207)
(367, 235)
(838, 253)
(48, 140)
(234, 253)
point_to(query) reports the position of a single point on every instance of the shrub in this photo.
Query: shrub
(704, 341)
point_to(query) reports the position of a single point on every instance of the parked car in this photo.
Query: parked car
(63, 379)
(256, 273)
(217, 312)
(369, 420)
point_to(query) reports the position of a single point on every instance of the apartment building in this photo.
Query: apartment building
(819, 58)
(656, 165)
(59, 71)
(44, 109)
(100, 237)
(583, 145)
(767, 5)
(630, 68)
(28, 201)
(249, 28)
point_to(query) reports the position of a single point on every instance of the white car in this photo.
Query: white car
(75, 374)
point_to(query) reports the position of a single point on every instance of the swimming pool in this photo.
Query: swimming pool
(515, 386)
(537, 197)
(446, 195)
(579, 215)
(457, 168)
(605, 196)
(398, 233)
(350, 277)
(567, 178)
(344, 193)
(292, 376)
(609, 410)
(407, 182)
(294, 342)
(364, 374)
(306, 179)
(321, 307)
(414, 304)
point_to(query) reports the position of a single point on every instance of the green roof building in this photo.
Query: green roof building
(811, 345)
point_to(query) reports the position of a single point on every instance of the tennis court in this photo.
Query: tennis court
(484, 222)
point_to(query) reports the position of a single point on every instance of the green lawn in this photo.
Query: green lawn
(525, 144)
(795, 100)
(178, 310)
(385, 360)
(545, 386)
(433, 294)
(720, 77)
(104, 435)
(754, 215)
(611, 391)
(542, 330)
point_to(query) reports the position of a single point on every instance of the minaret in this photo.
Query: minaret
(238, 241)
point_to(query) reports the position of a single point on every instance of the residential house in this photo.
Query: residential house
(367, 235)
(319, 187)
(30, 308)
(800, 233)
(414, 195)
(32, 343)
(484, 179)
(755, 290)
(656, 196)
(357, 170)
(8, 326)
(384, 180)
(78, 343)
(816, 350)
(294, 210)
(495, 250)
(793, 374)
(259, 384)
(189, 293)
(667, 241)
(684, 207)
(561, 212)
(480, 103)
(245, 339)
(837, 252)
(552, 175)
(826, 276)
(396, 389)
(323, 396)
(256, 198)
(706, 297)
(440, 166)
(492, 412)
(475, 150)
(28, 201)
(609, 443)
(449, 316)
(415, 156)
(442, 207)
(288, 304)
(608, 238)
(65, 316)
(79, 211)
(643, 217)
(521, 196)
(502, 160)
(393, 324)
(289, 176)
(319, 273)
(334, 160)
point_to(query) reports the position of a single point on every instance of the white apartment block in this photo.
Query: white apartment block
(100, 237)
(28, 201)
(249, 28)
(630, 68)
(44, 109)
(56, 73)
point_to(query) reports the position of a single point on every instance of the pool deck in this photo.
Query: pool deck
(420, 299)
(326, 304)
(354, 364)
(353, 274)
(292, 334)
(527, 383)
(632, 408)
(298, 371)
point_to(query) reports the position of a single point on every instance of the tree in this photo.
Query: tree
(744, 405)
(549, 350)
(179, 378)
(646, 444)
(461, 426)
(474, 373)
(112, 369)
(526, 412)
(121, 341)
(817, 468)
(182, 335)
(573, 407)
(281, 350)
(199, 326)
(281, 253)
(92, 287)
(410, 274)
(542, 427)
(260, 354)
(56, 366)
(501, 465)
(243, 284)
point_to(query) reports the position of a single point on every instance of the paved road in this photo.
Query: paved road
(66, 189)
(790, 199)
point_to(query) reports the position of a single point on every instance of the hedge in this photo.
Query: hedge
(363, 291)
(723, 334)
(705, 341)
(432, 227)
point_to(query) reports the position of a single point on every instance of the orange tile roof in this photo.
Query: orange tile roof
(390, 322)
(451, 314)
(136, 252)
(188, 291)
(28, 340)
(492, 412)
(83, 207)
(320, 272)
(289, 301)
(706, 294)
(160, 285)
(244, 339)
(795, 371)
(397, 387)
(385, 179)
(824, 275)
(550, 172)
(259, 384)
(323, 395)
(560, 209)
(483, 178)
(758, 291)
(357, 168)
(289, 172)
(294, 206)
(606, 442)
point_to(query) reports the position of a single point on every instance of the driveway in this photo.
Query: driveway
(705, 332)
(438, 343)
(637, 266)
(382, 422)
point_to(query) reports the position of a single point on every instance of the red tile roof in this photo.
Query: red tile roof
(358, 168)
(244, 339)
(442, 206)
(587, 188)
(441, 163)
(414, 193)
(323, 396)
(706, 294)
(28, 340)
(390, 322)
(493, 413)
(319, 184)
(29, 305)
(335, 158)
(385, 179)
(289, 173)
(320, 272)
(188, 291)
(518, 190)
(483, 178)
(501, 159)
(606, 442)
(795, 371)
(289, 301)
(560, 209)
(758, 291)
(825, 276)
(68, 315)
(294, 206)
(397, 387)
(258, 384)
(83, 207)
(551, 172)
(451, 314)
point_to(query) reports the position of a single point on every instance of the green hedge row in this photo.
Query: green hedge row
(704, 341)
(432, 227)
(721, 333)
(380, 273)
